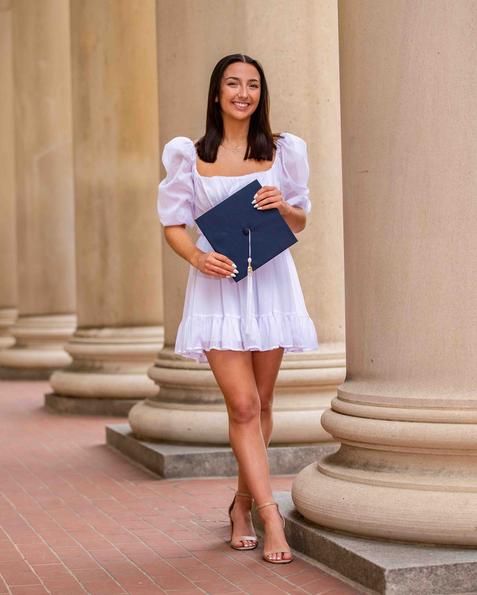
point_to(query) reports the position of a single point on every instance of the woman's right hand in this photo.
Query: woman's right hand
(214, 264)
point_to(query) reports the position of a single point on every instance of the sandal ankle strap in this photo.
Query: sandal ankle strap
(266, 504)
(244, 494)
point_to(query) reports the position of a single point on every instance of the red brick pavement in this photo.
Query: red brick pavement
(77, 517)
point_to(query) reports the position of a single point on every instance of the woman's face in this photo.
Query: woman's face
(239, 90)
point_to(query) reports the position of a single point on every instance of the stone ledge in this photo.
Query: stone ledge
(89, 405)
(388, 567)
(169, 459)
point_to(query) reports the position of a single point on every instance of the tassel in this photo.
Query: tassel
(249, 315)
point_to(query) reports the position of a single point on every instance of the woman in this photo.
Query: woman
(237, 147)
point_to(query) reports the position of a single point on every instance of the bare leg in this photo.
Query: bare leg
(266, 365)
(234, 373)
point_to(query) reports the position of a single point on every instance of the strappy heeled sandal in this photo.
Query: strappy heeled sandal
(266, 556)
(241, 537)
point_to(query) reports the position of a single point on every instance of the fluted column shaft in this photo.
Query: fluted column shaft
(116, 159)
(8, 249)
(44, 188)
(407, 413)
(190, 406)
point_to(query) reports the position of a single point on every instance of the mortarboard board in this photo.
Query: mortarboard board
(248, 236)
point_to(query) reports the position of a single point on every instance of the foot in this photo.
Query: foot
(275, 546)
(242, 522)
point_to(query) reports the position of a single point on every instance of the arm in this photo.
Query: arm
(294, 216)
(270, 197)
(209, 263)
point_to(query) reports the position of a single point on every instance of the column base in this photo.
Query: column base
(190, 406)
(109, 365)
(7, 319)
(39, 347)
(403, 480)
(381, 565)
(173, 459)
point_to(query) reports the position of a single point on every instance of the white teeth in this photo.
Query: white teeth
(240, 104)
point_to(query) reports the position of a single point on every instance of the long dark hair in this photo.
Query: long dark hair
(261, 139)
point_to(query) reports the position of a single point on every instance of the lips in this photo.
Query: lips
(240, 105)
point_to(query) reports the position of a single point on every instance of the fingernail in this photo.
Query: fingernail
(234, 265)
(235, 270)
(259, 208)
(233, 275)
(254, 201)
(255, 195)
(256, 207)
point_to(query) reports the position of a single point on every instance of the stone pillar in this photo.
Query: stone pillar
(118, 235)
(44, 189)
(8, 261)
(406, 415)
(190, 406)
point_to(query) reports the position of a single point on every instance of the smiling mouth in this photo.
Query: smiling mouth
(240, 104)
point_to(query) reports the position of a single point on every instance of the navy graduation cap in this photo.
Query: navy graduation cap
(248, 236)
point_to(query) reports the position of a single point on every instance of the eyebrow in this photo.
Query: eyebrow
(236, 77)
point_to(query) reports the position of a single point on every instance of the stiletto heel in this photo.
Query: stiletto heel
(241, 537)
(266, 556)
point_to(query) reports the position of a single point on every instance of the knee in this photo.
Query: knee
(244, 410)
(266, 402)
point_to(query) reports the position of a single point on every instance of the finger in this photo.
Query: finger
(270, 202)
(267, 196)
(219, 270)
(225, 259)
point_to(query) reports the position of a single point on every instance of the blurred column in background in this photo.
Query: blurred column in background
(300, 60)
(407, 413)
(8, 249)
(44, 190)
(118, 238)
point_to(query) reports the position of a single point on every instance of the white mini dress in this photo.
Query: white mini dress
(214, 308)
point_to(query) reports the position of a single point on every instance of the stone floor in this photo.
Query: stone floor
(77, 517)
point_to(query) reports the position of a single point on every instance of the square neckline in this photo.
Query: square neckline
(254, 173)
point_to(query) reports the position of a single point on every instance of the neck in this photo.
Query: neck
(235, 131)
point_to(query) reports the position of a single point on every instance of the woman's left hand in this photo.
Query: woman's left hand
(270, 197)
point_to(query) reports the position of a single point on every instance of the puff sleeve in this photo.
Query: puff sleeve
(175, 199)
(295, 170)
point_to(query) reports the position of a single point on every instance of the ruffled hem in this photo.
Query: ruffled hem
(294, 332)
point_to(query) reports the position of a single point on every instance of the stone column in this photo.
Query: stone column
(118, 239)
(8, 261)
(304, 101)
(44, 189)
(406, 415)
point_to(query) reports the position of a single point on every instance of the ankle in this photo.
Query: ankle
(269, 514)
